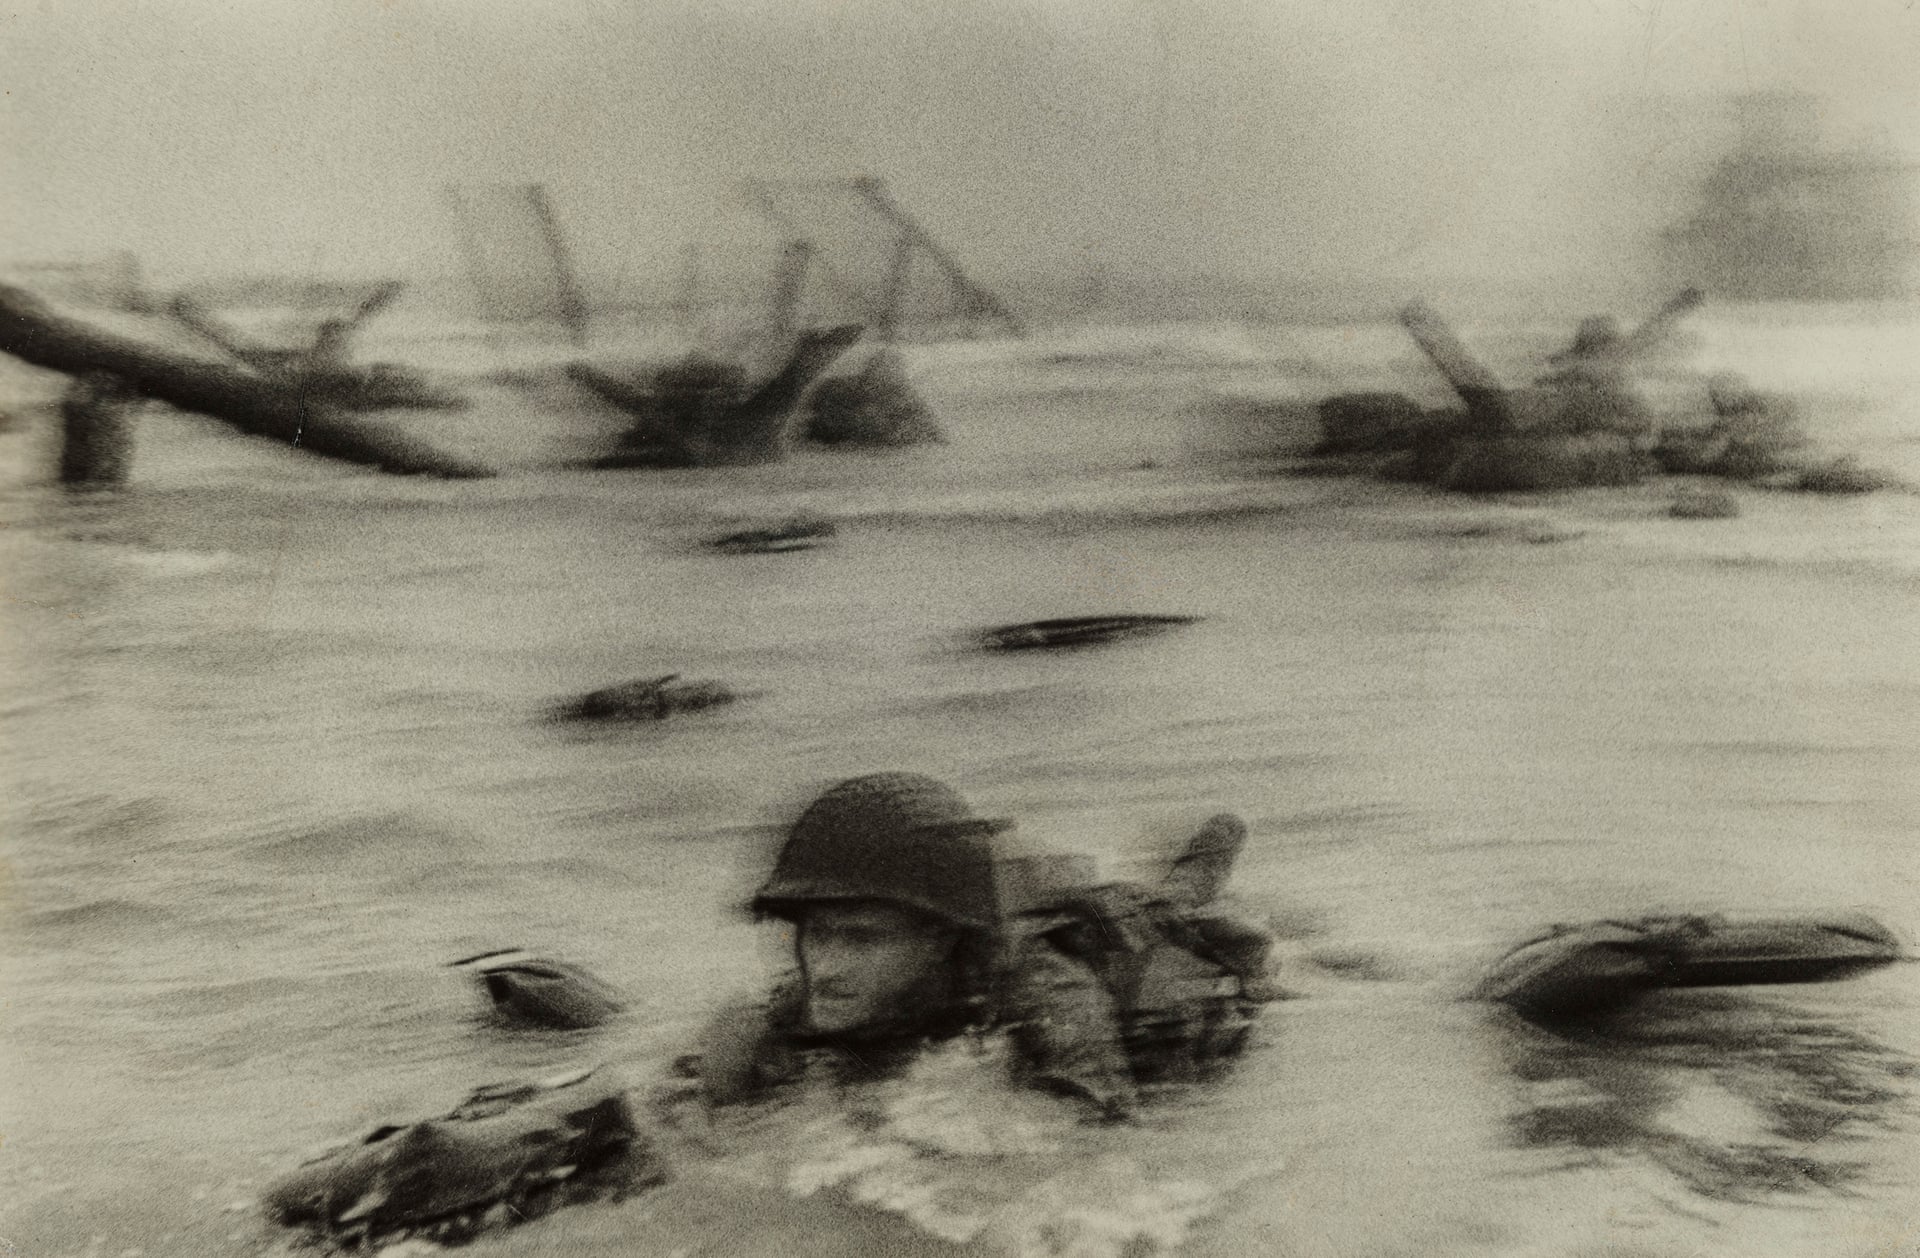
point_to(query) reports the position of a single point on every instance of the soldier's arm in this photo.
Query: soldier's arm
(1066, 1027)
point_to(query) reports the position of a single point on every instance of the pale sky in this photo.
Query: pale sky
(1177, 135)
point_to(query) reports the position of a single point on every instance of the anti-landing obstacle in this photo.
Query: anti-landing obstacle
(34, 332)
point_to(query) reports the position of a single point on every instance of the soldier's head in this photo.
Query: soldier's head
(888, 881)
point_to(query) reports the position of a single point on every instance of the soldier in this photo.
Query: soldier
(900, 940)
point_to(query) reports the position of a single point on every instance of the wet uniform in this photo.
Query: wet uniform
(1108, 990)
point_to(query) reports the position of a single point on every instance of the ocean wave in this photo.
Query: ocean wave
(106, 920)
(966, 1156)
(390, 835)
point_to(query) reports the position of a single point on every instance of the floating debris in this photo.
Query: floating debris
(798, 533)
(653, 699)
(538, 992)
(1078, 631)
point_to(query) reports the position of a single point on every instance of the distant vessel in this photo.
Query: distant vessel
(1784, 217)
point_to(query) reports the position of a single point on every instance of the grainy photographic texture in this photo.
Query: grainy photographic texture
(997, 628)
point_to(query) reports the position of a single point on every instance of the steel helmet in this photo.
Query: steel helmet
(901, 838)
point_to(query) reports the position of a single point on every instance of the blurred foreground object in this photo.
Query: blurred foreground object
(1580, 969)
(508, 1153)
(538, 992)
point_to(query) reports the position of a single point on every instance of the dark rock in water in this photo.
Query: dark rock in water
(537, 992)
(1077, 631)
(1843, 476)
(1704, 505)
(654, 699)
(876, 407)
(528, 1147)
(1526, 461)
(788, 535)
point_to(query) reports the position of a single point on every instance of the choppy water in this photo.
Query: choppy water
(275, 753)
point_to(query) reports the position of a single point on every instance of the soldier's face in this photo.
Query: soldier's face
(866, 963)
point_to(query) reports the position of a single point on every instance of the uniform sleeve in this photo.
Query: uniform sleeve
(1066, 1027)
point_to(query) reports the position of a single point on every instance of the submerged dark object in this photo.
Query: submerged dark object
(651, 699)
(1599, 965)
(1077, 631)
(33, 331)
(508, 1152)
(795, 534)
(538, 992)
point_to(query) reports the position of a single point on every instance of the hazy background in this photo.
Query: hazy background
(1174, 137)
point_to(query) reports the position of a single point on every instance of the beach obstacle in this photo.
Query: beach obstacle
(1582, 423)
(34, 332)
(685, 423)
(1580, 426)
(322, 368)
(96, 431)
